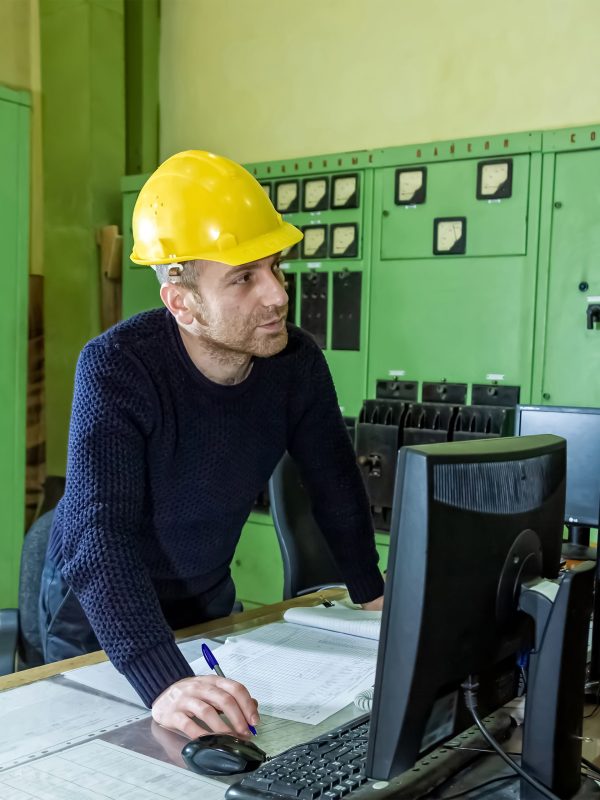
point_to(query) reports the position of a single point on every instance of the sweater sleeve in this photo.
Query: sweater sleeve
(102, 517)
(320, 445)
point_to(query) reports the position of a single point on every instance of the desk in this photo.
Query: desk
(147, 740)
(236, 623)
(50, 699)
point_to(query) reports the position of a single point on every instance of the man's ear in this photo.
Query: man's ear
(175, 298)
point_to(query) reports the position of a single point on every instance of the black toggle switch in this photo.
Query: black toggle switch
(593, 315)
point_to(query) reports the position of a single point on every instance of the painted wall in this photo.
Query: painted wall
(262, 79)
(19, 43)
(83, 66)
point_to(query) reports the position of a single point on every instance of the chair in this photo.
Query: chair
(20, 641)
(308, 563)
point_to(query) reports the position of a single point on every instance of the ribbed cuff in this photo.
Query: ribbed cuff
(365, 586)
(155, 670)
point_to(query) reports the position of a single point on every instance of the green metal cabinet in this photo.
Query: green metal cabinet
(257, 567)
(465, 317)
(140, 287)
(329, 293)
(14, 245)
(567, 350)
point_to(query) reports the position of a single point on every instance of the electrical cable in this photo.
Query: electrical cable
(593, 712)
(470, 692)
(591, 766)
(364, 699)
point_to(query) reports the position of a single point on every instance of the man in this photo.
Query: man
(179, 418)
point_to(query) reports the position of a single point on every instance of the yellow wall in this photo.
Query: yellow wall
(16, 25)
(262, 79)
(20, 69)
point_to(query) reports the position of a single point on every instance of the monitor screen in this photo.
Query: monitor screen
(470, 521)
(581, 428)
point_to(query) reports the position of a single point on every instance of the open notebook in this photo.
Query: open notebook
(341, 617)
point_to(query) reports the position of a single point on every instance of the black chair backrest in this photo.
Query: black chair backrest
(32, 564)
(308, 563)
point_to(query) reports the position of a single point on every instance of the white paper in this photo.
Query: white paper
(298, 673)
(102, 770)
(104, 677)
(46, 716)
(339, 617)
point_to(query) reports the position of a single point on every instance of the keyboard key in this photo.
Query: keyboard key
(310, 792)
(284, 788)
(262, 784)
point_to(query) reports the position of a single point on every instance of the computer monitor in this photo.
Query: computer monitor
(475, 526)
(581, 428)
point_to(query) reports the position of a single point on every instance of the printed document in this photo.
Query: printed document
(341, 617)
(298, 673)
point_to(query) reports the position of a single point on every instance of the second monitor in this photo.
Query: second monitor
(581, 429)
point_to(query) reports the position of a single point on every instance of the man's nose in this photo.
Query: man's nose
(272, 291)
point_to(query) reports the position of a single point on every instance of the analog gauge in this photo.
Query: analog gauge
(494, 179)
(449, 236)
(315, 194)
(286, 197)
(344, 192)
(314, 244)
(411, 186)
(267, 188)
(344, 241)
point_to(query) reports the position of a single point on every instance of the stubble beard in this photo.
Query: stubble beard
(226, 338)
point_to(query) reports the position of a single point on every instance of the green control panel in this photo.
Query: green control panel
(454, 260)
(327, 274)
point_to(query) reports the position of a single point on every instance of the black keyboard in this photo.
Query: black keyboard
(329, 767)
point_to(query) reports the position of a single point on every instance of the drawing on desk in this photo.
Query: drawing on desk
(48, 716)
(340, 616)
(298, 673)
(98, 769)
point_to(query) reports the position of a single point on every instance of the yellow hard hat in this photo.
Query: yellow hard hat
(198, 205)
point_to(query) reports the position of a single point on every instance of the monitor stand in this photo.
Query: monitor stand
(578, 547)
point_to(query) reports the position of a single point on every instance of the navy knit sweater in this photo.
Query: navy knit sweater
(163, 468)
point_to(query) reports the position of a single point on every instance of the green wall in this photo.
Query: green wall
(83, 68)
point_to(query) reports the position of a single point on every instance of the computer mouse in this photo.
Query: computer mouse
(222, 754)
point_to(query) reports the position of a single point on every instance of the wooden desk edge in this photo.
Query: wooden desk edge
(236, 623)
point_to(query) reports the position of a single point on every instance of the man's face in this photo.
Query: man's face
(242, 309)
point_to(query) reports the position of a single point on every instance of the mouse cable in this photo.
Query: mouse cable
(470, 687)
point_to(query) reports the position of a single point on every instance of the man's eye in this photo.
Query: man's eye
(244, 278)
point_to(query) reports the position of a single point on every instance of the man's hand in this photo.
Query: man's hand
(374, 605)
(203, 698)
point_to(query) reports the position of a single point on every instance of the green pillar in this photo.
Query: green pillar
(142, 22)
(83, 85)
(14, 245)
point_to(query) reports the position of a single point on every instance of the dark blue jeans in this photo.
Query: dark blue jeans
(66, 632)
(64, 627)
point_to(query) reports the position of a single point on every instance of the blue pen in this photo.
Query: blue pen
(212, 662)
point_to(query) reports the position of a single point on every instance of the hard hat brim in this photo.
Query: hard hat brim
(286, 235)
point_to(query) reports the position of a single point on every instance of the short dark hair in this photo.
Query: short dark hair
(187, 274)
